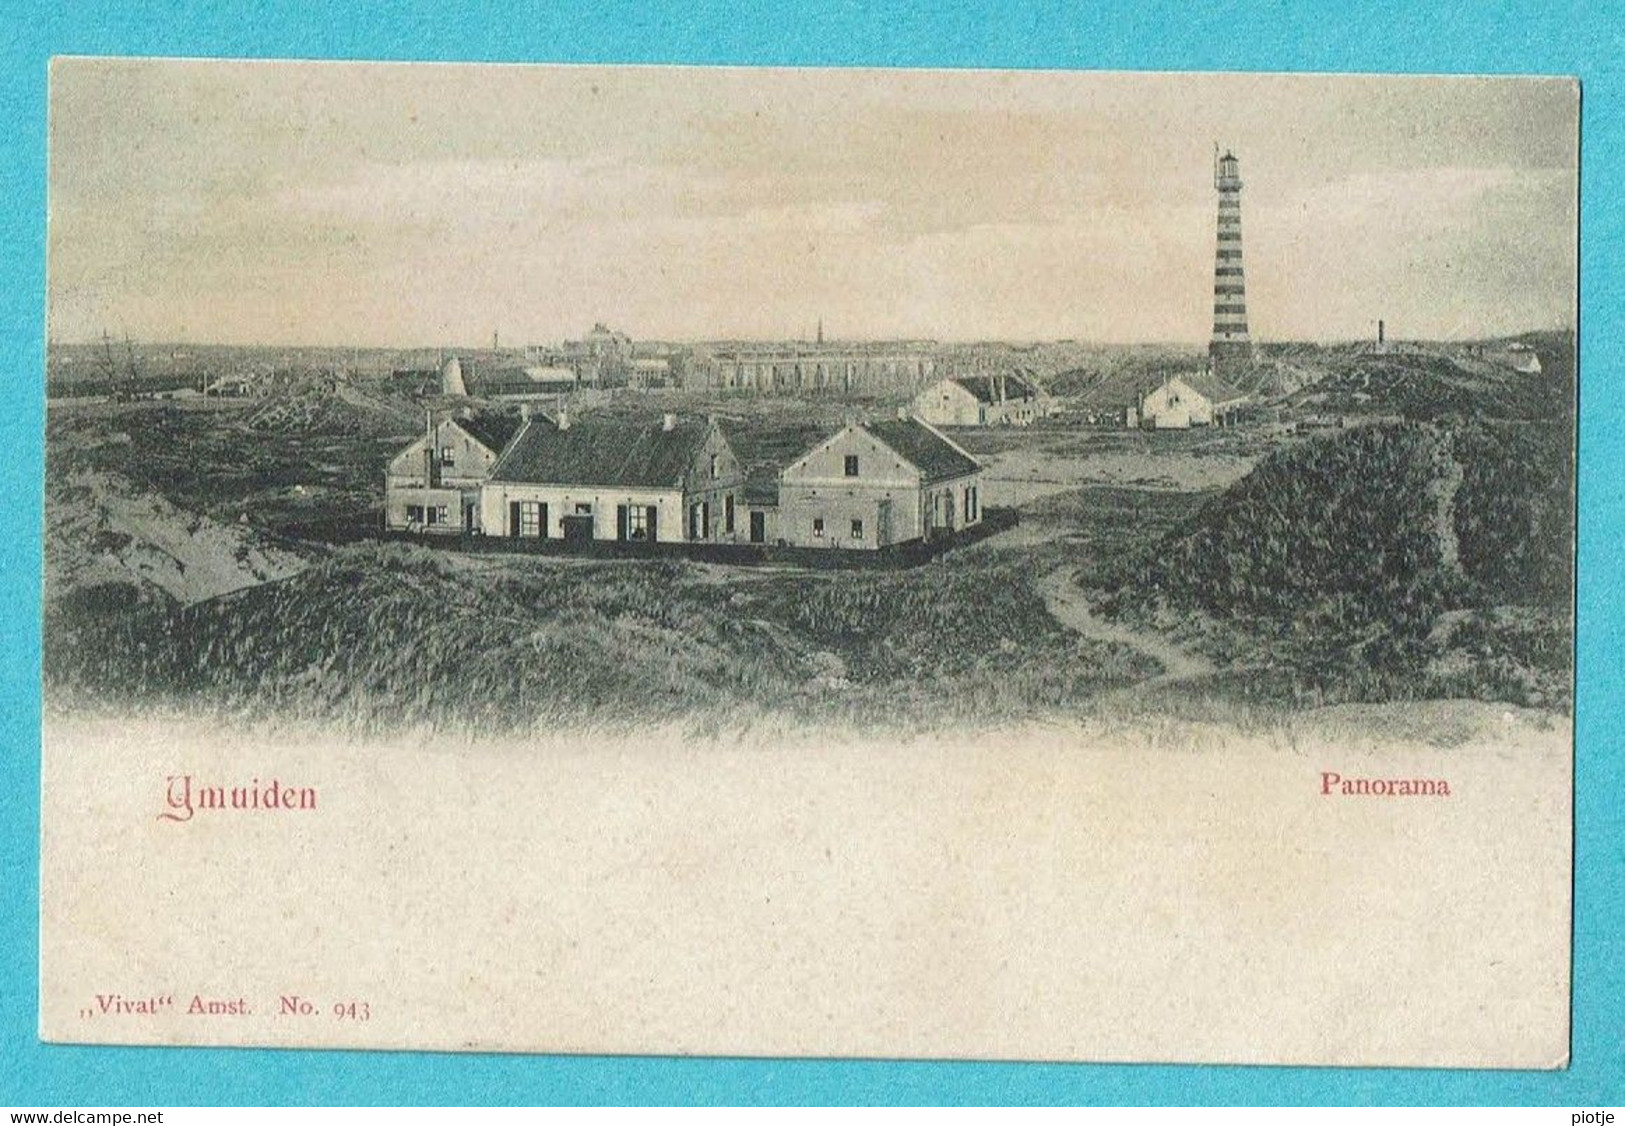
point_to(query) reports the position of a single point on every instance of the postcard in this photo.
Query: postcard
(803, 562)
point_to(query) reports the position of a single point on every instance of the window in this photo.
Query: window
(637, 523)
(414, 514)
(818, 527)
(583, 508)
(448, 457)
(716, 467)
(437, 514)
(857, 529)
(728, 514)
(530, 518)
(851, 465)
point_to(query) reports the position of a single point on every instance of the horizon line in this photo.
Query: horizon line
(960, 342)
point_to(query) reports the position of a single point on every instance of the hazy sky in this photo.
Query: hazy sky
(424, 204)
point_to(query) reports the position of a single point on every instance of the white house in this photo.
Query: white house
(875, 484)
(981, 400)
(1194, 399)
(672, 481)
(433, 485)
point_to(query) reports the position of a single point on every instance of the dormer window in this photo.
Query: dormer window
(851, 465)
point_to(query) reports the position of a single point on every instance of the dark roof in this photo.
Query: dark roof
(603, 452)
(488, 388)
(764, 448)
(934, 456)
(491, 429)
(1129, 389)
(762, 487)
(513, 382)
(1211, 386)
(986, 387)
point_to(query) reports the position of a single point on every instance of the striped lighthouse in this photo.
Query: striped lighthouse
(1230, 345)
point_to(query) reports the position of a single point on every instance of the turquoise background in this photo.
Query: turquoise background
(1587, 40)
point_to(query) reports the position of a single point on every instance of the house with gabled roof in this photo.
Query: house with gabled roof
(872, 485)
(1198, 398)
(608, 479)
(1004, 399)
(433, 485)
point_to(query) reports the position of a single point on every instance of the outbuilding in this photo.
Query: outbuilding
(1193, 399)
(875, 484)
(982, 400)
(433, 485)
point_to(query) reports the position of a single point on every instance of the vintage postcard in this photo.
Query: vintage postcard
(878, 563)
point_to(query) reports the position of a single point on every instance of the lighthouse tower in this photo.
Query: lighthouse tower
(1231, 345)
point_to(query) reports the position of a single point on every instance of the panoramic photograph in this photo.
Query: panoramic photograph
(984, 420)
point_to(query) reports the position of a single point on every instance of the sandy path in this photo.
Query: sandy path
(1070, 607)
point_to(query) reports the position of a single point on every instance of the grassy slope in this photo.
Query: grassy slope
(384, 636)
(1387, 562)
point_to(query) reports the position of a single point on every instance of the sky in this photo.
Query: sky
(405, 205)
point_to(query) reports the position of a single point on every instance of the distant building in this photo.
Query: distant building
(675, 481)
(649, 371)
(605, 341)
(808, 368)
(230, 386)
(451, 378)
(875, 484)
(1518, 356)
(433, 485)
(1182, 401)
(535, 381)
(982, 400)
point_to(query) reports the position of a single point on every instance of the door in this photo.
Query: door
(758, 527)
(883, 523)
(577, 530)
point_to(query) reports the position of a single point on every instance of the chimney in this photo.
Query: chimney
(902, 414)
(668, 421)
(524, 412)
(564, 418)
